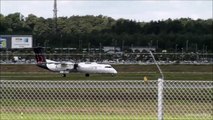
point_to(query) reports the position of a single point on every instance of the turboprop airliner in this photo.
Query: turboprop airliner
(67, 67)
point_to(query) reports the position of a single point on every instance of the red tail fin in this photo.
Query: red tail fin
(39, 56)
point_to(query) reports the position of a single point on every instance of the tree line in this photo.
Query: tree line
(96, 31)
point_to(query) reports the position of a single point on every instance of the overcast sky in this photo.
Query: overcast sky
(140, 10)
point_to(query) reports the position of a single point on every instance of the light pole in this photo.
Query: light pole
(187, 45)
(176, 48)
(80, 45)
(89, 50)
(122, 45)
(182, 54)
(203, 52)
(115, 45)
(197, 56)
(206, 51)
(100, 49)
(196, 47)
(176, 45)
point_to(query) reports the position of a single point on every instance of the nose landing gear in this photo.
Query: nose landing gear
(87, 75)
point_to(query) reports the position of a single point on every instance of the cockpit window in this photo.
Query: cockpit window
(108, 67)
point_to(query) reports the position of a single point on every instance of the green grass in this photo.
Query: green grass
(42, 116)
(98, 109)
(120, 76)
(125, 72)
(80, 109)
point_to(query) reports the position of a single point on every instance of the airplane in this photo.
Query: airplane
(68, 67)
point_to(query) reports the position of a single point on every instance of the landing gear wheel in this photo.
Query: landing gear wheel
(87, 75)
(63, 75)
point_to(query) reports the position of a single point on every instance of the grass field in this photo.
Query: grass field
(42, 116)
(204, 76)
(145, 110)
(134, 104)
(103, 103)
(125, 72)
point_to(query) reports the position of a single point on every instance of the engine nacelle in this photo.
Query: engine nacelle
(64, 72)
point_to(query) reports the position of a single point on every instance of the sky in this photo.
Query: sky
(139, 10)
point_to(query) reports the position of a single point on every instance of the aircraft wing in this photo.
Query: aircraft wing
(66, 65)
(63, 65)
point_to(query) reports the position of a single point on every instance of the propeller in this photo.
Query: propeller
(76, 66)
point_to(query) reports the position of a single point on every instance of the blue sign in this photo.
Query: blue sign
(3, 43)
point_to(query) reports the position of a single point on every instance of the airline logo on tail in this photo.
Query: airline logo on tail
(40, 59)
(39, 55)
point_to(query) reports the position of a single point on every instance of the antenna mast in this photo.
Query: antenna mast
(55, 9)
(55, 14)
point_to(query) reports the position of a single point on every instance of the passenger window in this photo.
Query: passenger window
(108, 67)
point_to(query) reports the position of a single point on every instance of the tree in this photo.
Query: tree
(102, 29)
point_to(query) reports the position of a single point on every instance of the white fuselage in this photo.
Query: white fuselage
(82, 67)
(96, 68)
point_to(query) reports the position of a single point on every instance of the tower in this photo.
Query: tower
(55, 15)
(55, 10)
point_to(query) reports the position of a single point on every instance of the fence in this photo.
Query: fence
(104, 100)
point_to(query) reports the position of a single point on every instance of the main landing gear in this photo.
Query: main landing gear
(63, 75)
(113, 75)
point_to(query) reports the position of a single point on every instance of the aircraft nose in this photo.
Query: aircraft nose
(115, 72)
